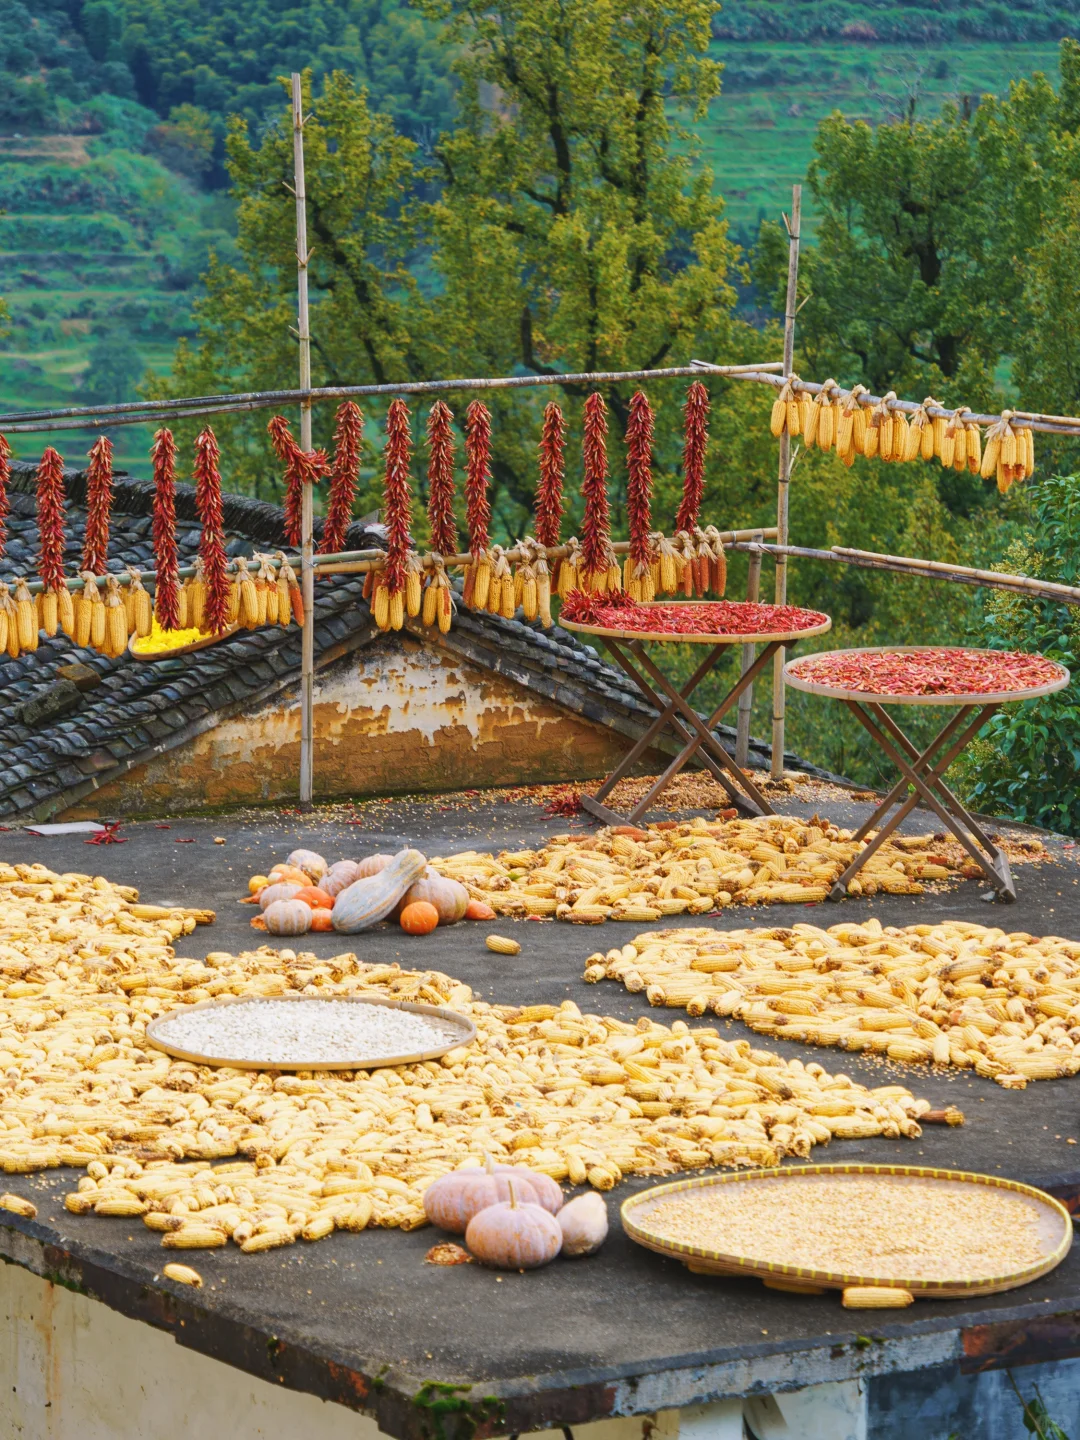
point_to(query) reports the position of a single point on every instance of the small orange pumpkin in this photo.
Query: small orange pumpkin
(372, 865)
(419, 918)
(289, 873)
(313, 896)
(322, 919)
(479, 910)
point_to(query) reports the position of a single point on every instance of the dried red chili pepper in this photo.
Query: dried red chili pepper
(718, 617)
(549, 492)
(344, 475)
(212, 541)
(98, 507)
(930, 671)
(639, 439)
(477, 476)
(398, 506)
(50, 518)
(302, 467)
(166, 560)
(596, 525)
(695, 441)
(440, 432)
(5, 476)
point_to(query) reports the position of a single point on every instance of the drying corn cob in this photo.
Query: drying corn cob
(851, 425)
(114, 641)
(26, 618)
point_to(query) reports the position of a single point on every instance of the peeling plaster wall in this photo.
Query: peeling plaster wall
(396, 717)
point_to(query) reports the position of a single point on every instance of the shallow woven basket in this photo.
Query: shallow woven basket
(1055, 1227)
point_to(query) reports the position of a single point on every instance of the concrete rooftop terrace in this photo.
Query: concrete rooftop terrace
(434, 1352)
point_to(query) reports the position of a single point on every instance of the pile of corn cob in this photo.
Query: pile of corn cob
(1005, 1005)
(692, 867)
(584, 1098)
(841, 420)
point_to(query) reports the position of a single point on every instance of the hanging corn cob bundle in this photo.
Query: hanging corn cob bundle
(194, 602)
(440, 473)
(666, 565)
(212, 540)
(850, 425)
(290, 598)
(819, 425)
(301, 468)
(638, 567)
(526, 588)
(243, 599)
(266, 592)
(879, 430)
(438, 605)
(477, 507)
(922, 440)
(710, 571)
(389, 594)
(116, 631)
(599, 570)
(26, 620)
(344, 476)
(140, 617)
(98, 507)
(549, 492)
(50, 518)
(687, 555)
(1009, 452)
(695, 442)
(786, 410)
(9, 624)
(169, 598)
(5, 476)
(500, 592)
(84, 609)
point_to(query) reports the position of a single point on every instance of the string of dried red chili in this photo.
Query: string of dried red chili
(549, 492)
(596, 525)
(212, 541)
(344, 477)
(930, 671)
(477, 476)
(398, 504)
(50, 518)
(302, 467)
(718, 617)
(440, 434)
(695, 440)
(98, 507)
(639, 440)
(5, 476)
(166, 559)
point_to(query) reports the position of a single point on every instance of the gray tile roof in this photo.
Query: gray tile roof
(141, 709)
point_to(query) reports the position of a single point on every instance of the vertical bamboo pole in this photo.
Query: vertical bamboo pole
(790, 307)
(307, 578)
(746, 699)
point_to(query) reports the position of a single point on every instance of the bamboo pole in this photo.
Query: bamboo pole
(790, 307)
(307, 521)
(746, 699)
(144, 412)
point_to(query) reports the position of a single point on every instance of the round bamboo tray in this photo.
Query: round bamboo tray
(1055, 1228)
(465, 1026)
(837, 692)
(723, 638)
(202, 644)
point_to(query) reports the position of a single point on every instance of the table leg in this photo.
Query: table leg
(952, 814)
(919, 761)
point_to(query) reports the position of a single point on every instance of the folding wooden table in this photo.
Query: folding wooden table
(627, 649)
(922, 771)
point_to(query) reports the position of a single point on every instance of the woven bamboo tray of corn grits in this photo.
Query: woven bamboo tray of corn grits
(761, 1190)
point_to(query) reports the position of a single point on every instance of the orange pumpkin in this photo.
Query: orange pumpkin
(313, 896)
(289, 873)
(322, 919)
(479, 910)
(419, 918)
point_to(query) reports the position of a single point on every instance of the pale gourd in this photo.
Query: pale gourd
(448, 896)
(339, 877)
(584, 1224)
(287, 917)
(452, 1200)
(514, 1235)
(312, 864)
(367, 901)
(371, 865)
(284, 890)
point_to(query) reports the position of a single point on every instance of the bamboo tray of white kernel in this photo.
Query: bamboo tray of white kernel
(260, 1039)
(939, 1234)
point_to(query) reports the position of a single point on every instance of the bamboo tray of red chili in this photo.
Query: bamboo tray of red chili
(926, 675)
(712, 622)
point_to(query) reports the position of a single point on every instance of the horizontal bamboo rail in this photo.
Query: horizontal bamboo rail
(142, 412)
(924, 569)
